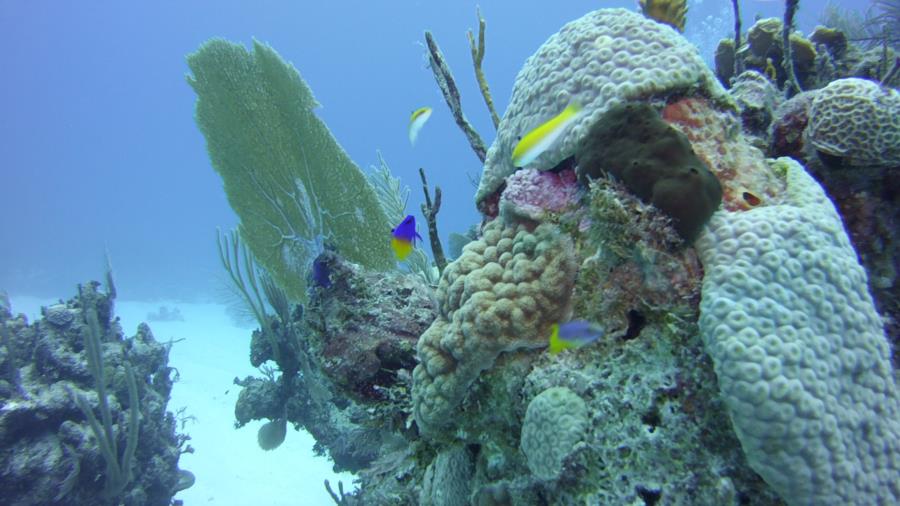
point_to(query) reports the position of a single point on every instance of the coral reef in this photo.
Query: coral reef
(605, 57)
(54, 449)
(660, 409)
(800, 352)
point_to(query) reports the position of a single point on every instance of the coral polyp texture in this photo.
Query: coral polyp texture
(801, 357)
(598, 60)
(501, 295)
(857, 120)
(556, 420)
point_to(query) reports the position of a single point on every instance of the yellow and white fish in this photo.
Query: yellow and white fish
(417, 121)
(541, 138)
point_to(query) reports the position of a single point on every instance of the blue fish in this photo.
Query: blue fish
(403, 238)
(321, 273)
(573, 334)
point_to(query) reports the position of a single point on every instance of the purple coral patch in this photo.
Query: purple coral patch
(532, 194)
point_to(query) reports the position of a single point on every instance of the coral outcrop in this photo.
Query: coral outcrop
(777, 371)
(52, 453)
(800, 352)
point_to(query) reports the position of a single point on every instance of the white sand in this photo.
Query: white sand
(229, 466)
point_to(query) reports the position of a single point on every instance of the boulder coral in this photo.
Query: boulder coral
(857, 120)
(501, 295)
(799, 350)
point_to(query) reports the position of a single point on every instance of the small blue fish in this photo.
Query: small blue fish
(321, 273)
(573, 334)
(403, 238)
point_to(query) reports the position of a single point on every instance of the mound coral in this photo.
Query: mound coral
(799, 350)
(501, 295)
(857, 120)
(555, 421)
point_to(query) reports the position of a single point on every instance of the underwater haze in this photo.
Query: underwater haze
(100, 151)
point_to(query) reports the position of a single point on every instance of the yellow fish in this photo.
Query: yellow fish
(417, 121)
(770, 70)
(573, 334)
(541, 138)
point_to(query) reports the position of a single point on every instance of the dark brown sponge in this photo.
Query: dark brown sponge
(654, 161)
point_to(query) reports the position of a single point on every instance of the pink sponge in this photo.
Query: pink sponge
(532, 194)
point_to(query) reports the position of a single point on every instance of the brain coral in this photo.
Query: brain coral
(857, 120)
(502, 294)
(555, 421)
(448, 480)
(799, 350)
(604, 57)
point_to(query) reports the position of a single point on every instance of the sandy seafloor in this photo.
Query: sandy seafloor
(230, 468)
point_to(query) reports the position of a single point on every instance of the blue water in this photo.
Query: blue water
(99, 150)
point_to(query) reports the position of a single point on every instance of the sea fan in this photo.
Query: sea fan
(863, 28)
(888, 20)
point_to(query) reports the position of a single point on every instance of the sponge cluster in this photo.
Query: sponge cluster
(604, 57)
(858, 120)
(500, 295)
(556, 419)
(799, 350)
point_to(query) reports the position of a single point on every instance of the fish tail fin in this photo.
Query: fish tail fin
(401, 248)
